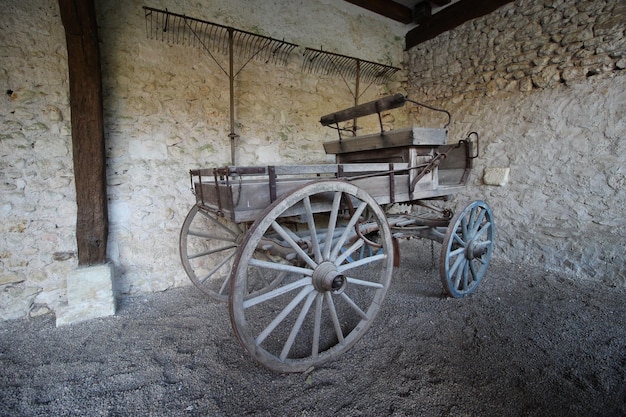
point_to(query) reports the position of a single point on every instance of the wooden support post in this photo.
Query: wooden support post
(83, 54)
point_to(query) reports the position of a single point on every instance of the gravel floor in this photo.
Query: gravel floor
(527, 343)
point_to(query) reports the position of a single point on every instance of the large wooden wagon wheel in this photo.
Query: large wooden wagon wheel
(467, 248)
(326, 300)
(208, 244)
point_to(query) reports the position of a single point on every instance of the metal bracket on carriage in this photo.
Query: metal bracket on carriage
(469, 141)
(432, 164)
(440, 156)
(395, 101)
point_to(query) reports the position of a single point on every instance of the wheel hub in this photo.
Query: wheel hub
(473, 250)
(326, 277)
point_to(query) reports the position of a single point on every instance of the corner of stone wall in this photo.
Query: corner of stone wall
(543, 84)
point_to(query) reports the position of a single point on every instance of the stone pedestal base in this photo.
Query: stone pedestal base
(89, 295)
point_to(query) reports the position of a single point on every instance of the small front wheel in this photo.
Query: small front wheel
(467, 249)
(330, 290)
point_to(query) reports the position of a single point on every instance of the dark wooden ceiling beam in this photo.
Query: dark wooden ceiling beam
(449, 18)
(422, 12)
(387, 8)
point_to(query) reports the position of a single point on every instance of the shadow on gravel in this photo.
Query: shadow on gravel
(527, 343)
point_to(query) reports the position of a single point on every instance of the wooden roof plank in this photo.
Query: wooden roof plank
(449, 18)
(387, 8)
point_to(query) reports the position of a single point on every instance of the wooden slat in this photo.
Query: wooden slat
(312, 171)
(451, 17)
(244, 199)
(365, 109)
(392, 139)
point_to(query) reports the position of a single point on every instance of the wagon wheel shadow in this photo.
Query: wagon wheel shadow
(418, 271)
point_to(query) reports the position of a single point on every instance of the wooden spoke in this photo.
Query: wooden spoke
(352, 304)
(312, 229)
(319, 300)
(364, 283)
(296, 328)
(280, 317)
(348, 230)
(213, 219)
(332, 222)
(280, 267)
(279, 229)
(210, 236)
(207, 247)
(217, 267)
(275, 293)
(211, 251)
(346, 253)
(361, 262)
(333, 315)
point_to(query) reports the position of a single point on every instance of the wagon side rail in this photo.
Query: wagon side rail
(239, 193)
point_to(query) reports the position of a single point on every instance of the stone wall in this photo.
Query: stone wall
(166, 111)
(543, 82)
(37, 203)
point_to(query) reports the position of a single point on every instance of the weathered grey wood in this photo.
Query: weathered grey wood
(81, 34)
(249, 314)
(365, 109)
(389, 155)
(416, 136)
(313, 170)
(245, 201)
(207, 247)
(242, 193)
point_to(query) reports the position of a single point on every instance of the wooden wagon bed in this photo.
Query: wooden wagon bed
(242, 193)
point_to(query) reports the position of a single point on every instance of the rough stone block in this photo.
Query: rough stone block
(70, 314)
(89, 295)
(496, 176)
(91, 283)
(12, 278)
(15, 301)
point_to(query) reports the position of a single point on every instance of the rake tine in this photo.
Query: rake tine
(180, 29)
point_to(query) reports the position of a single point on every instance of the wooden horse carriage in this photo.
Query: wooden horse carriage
(304, 254)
